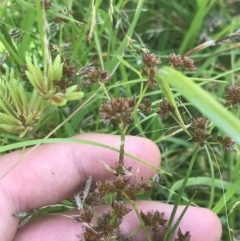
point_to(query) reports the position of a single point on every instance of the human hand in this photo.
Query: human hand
(55, 172)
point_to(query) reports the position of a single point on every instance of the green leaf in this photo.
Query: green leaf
(199, 181)
(231, 191)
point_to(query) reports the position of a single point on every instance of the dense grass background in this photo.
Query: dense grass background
(111, 34)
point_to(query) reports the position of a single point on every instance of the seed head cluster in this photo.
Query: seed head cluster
(233, 95)
(227, 143)
(154, 220)
(95, 75)
(107, 226)
(118, 110)
(150, 69)
(165, 109)
(145, 106)
(182, 61)
(200, 132)
(183, 237)
(69, 71)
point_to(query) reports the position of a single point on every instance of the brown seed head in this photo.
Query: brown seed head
(69, 71)
(95, 75)
(200, 133)
(150, 59)
(201, 123)
(227, 143)
(165, 109)
(106, 224)
(233, 95)
(90, 234)
(145, 107)
(175, 60)
(183, 237)
(85, 215)
(150, 72)
(118, 110)
(102, 188)
(188, 63)
(154, 220)
(120, 209)
(199, 136)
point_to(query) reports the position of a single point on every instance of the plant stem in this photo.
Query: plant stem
(121, 153)
(169, 231)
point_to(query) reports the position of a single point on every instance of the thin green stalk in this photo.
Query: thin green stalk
(124, 43)
(184, 127)
(140, 220)
(11, 50)
(122, 144)
(142, 94)
(105, 90)
(196, 24)
(164, 86)
(181, 215)
(40, 22)
(169, 233)
(212, 194)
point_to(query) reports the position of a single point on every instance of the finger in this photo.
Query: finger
(54, 172)
(202, 224)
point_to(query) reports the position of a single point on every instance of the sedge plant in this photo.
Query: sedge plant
(71, 67)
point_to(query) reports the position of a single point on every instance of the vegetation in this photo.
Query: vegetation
(130, 67)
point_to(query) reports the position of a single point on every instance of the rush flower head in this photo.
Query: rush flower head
(233, 95)
(68, 71)
(150, 70)
(94, 75)
(183, 237)
(118, 110)
(227, 143)
(145, 106)
(200, 133)
(188, 63)
(154, 220)
(150, 59)
(175, 60)
(201, 123)
(165, 109)
(120, 209)
(182, 61)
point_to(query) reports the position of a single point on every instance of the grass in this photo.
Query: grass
(111, 35)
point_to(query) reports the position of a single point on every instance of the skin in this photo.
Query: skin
(54, 172)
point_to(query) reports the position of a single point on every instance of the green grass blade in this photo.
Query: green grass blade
(199, 181)
(30, 143)
(228, 195)
(196, 25)
(176, 225)
(41, 30)
(120, 51)
(6, 40)
(169, 232)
